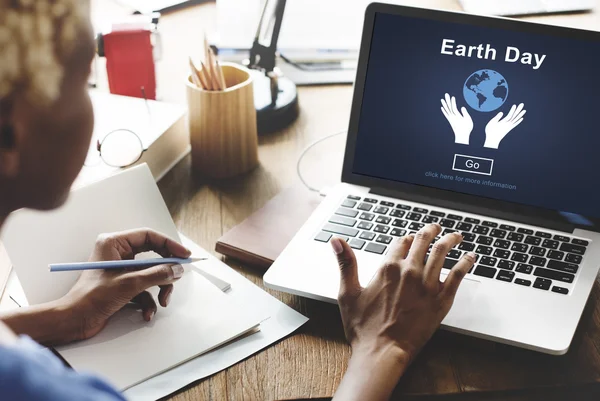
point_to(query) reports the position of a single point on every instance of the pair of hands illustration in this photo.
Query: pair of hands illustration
(495, 131)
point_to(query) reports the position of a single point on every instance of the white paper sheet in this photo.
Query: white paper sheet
(129, 350)
(283, 321)
(125, 201)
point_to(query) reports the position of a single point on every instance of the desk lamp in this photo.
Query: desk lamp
(275, 96)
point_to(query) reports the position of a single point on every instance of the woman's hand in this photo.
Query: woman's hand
(388, 322)
(98, 294)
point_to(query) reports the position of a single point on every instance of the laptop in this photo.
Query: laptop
(487, 126)
(525, 7)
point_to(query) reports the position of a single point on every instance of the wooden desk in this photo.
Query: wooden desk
(311, 363)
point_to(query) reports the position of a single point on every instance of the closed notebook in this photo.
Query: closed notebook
(129, 350)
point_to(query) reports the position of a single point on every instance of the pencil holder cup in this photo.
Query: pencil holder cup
(223, 131)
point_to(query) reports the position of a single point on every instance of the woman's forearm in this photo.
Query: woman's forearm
(48, 324)
(372, 374)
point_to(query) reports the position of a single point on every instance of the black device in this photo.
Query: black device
(275, 96)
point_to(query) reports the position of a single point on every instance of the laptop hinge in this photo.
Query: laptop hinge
(547, 223)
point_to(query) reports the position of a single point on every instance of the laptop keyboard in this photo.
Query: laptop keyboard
(505, 252)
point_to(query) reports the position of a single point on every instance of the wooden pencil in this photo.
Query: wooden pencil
(195, 77)
(205, 74)
(221, 75)
(213, 70)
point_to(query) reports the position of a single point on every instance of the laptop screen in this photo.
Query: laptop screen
(494, 113)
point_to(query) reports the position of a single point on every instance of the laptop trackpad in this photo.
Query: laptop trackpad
(462, 311)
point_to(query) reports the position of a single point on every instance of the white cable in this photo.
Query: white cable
(306, 149)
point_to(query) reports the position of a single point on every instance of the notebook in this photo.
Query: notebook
(129, 350)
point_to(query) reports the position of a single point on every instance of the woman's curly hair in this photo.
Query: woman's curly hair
(36, 39)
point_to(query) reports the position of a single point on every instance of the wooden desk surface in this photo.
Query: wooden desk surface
(310, 363)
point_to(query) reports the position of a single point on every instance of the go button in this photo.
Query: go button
(472, 164)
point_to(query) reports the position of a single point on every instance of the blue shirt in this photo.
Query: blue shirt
(29, 372)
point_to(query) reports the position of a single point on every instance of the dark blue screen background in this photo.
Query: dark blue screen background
(552, 157)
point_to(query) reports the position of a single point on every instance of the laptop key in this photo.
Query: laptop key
(375, 248)
(501, 253)
(437, 214)
(489, 224)
(563, 267)
(573, 258)
(488, 261)
(519, 248)
(576, 249)
(342, 211)
(560, 290)
(542, 284)
(349, 203)
(371, 200)
(537, 261)
(485, 271)
(367, 216)
(354, 197)
(323, 237)
(430, 219)
(384, 239)
(556, 255)
(548, 243)
(416, 226)
(533, 240)
(472, 220)
(381, 229)
(397, 213)
(344, 221)
(403, 207)
(543, 234)
(580, 242)
(515, 237)
(454, 254)
(464, 226)
(484, 250)
(342, 237)
(466, 246)
(414, 216)
(447, 223)
(525, 231)
(448, 231)
(381, 210)
(365, 206)
(335, 229)
(420, 210)
(505, 275)
(553, 275)
(507, 227)
(506, 264)
(385, 203)
(468, 237)
(485, 240)
(398, 232)
(498, 233)
(369, 236)
(356, 243)
(383, 220)
(481, 230)
(454, 217)
(520, 281)
(537, 251)
(519, 257)
(502, 244)
(363, 225)
(400, 223)
(524, 268)
(562, 238)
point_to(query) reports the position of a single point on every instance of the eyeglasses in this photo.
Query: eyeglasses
(119, 148)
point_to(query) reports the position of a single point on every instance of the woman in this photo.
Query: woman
(46, 121)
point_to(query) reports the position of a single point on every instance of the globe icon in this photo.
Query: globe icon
(485, 90)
